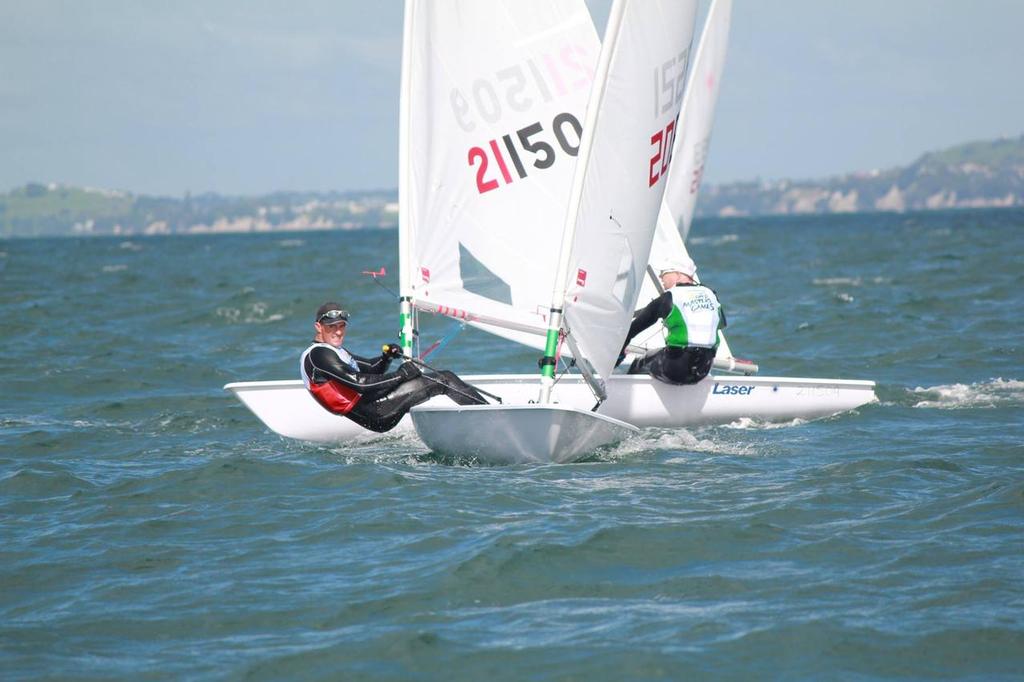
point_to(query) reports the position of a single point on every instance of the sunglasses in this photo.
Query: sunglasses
(334, 316)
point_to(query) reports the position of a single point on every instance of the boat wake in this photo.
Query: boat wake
(761, 424)
(997, 392)
(381, 448)
(676, 440)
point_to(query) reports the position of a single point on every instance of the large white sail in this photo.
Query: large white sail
(696, 120)
(695, 123)
(622, 172)
(494, 93)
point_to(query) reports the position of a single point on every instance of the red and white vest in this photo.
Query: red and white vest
(332, 395)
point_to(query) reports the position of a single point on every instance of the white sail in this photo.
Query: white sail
(695, 123)
(691, 148)
(689, 155)
(621, 175)
(494, 95)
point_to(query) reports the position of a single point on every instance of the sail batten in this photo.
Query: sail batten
(481, 312)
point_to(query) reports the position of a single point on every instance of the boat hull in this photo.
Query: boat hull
(287, 408)
(517, 434)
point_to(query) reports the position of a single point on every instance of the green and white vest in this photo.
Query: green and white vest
(695, 317)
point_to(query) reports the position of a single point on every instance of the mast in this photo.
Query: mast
(561, 282)
(406, 321)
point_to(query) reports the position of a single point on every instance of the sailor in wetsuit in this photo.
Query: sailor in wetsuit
(692, 316)
(362, 389)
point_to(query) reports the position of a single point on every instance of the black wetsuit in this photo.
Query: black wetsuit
(678, 362)
(384, 397)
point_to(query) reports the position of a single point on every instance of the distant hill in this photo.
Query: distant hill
(970, 175)
(47, 210)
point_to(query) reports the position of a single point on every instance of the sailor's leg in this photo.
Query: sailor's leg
(384, 413)
(458, 390)
(684, 365)
(700, 363)
(642, 365)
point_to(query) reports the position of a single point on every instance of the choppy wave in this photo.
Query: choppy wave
(715, 241)
(749, 423)
(253, 313)
(399, 445)
(674, 440)
(147, 513)
(838, 281)
(994, 393)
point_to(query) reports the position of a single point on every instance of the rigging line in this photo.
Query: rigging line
(385, 288)
(443, 341)
(375, 274)
(417, 361)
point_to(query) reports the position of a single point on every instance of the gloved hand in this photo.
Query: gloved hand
(392, 350)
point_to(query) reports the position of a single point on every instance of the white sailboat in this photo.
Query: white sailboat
(609, 223)
(542, 70)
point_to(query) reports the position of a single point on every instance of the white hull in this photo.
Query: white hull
(288, 409)
(515, 434)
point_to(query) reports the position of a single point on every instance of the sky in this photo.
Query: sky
(247, 97)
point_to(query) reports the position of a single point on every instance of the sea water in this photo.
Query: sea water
(152, 528)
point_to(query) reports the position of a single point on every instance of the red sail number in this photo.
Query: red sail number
(664, 140)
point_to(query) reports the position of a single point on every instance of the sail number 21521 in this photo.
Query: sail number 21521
(669, 81)
(662, 141)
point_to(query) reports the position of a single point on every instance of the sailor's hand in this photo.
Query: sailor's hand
(392, 350)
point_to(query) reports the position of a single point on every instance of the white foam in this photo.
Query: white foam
(400, 445)
(838, 281)
(759, 424)
(679, 439)
(114, 268)
(994, 393)
(847, 281)
(715, 241)
(254, 313)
